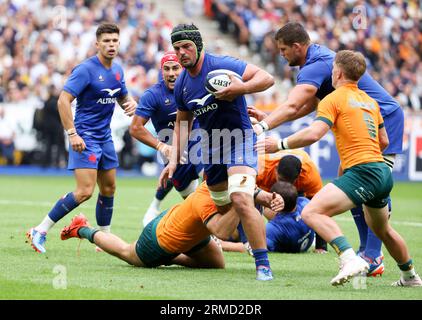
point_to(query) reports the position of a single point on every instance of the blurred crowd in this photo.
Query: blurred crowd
(387, 32)
(42, 40)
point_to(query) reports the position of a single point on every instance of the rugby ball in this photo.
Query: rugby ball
(219, 79)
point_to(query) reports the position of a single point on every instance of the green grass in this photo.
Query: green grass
(90, 275)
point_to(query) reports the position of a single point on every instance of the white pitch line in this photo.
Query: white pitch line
(402, 223)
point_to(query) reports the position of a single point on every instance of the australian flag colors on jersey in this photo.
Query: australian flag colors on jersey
(230, 134)
(96, 90)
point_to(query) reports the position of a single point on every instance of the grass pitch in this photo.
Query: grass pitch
(62, 273)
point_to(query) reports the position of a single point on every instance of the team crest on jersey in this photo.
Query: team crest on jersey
(118, 77)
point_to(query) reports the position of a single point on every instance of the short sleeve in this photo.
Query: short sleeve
(314, 74)
(233, 64)
(178, 92)
(77, 81)
(146, 106)
(327, 111)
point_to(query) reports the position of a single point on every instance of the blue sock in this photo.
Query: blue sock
(62, 207)
(261, 257)
(161, 192)
(104, 210)
(363, 229)
(373, 246)
(242, 234)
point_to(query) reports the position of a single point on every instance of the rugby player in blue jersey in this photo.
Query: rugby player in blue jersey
(158, 104)
(313, 84)
(226, 132)
(97, 84)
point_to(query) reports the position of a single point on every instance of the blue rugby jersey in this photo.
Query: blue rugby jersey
(230, 116)
(287, 232)
(96, 89)
(317, 72)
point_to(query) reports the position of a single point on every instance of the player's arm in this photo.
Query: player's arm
(138, 131)
(300, 102)
(65, 111)
(383, 138)
(128, 104)
(306, 136)
(254, 79)
(223, 225)
(273, 201)
(181, 132)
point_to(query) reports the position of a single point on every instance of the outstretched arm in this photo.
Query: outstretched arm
(300, 102)
(128, 104)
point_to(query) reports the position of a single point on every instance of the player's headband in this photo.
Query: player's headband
(169, 56)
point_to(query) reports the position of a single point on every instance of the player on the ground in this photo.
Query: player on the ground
(358, 128)
(158, 104)
(227, 136)
(97, 84)
(314, 83)
(285, 231)
(179, 235)
(293, 166)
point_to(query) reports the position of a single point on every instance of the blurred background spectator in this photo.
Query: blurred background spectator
(388, 33)
(42, 40)
(7, 135)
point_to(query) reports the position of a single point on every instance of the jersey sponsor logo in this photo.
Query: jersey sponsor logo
(362, 105)
(170, 114)
(201, 101)
(167, 101)
(100, 78)
(204, 110)
(111, 92)
(106, 100)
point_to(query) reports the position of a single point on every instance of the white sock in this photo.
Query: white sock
(409, 274)
(45, 225)
(347, 255)
(105, 229)
(155, 204)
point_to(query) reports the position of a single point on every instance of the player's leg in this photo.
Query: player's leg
(110, 243)
(154, 207)
(328, 202)
(107, 164)
(106, 181)
(377, 219)
(85, 184)
(241, 186)
(207, 254)
(186, 179)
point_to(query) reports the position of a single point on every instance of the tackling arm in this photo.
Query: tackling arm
(223, 225)
(300, 102)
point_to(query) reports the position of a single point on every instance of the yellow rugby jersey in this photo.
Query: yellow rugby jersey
(308, 182)
(354, 118)
(183, 226)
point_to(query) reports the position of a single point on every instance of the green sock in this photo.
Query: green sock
(406, 266)
(87, 233)
(340, 244)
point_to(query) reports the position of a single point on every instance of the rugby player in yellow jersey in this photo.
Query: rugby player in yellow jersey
(358, 127)
(180, 235)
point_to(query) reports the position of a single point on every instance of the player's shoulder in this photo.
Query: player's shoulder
(318, 56)
(217, 61)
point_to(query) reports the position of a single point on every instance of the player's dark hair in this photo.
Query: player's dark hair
(288, 192)
(289, 168)
(352, 63)
(107, 27)
(190, 32)
(292, 32)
